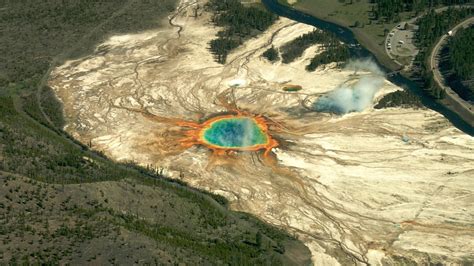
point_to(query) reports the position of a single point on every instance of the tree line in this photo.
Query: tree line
(390, 9)
(337, 53)
(240, 22)
(296, 48)
(433, 25)
(334, 50)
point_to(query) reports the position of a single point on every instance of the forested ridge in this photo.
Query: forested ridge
(239, 21)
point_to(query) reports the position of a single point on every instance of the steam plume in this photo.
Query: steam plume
(354, 97)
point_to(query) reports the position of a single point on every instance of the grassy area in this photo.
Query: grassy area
(63, 203)
(344, 13)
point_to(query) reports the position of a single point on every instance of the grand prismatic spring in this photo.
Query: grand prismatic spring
(231, 132)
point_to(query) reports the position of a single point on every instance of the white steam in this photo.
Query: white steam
(367, 65)
(354, 97)
(249, 133)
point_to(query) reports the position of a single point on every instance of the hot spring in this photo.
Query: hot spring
(234, 133)
(231, 132)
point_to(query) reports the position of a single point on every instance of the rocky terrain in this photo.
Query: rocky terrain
(373, 187)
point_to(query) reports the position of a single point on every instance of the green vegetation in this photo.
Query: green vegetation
(334, 50)
(345, 13)
(391, 9)
(402, 98)
(461, 54)
(338, 53)
(431, 27)
(460, 63)
(33, 143)
(370, 20)
(157, 224)
(271, 54)
(357, 15)
(33, 32)
(240, 22)
(52, 209)
(296, 47)
(292, 88)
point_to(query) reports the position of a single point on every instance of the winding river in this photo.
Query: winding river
(357, 50)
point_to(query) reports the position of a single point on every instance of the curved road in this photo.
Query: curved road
(453, 101)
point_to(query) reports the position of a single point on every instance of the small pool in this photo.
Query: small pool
(234, 132)
(292, 88)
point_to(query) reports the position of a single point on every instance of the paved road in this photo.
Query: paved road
(457, 102)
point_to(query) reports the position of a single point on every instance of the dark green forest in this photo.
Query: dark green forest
(403, 98)
(390, 10)
(271, 54)
(431, 27)
(240, 22)
(36, 36)
(296, 48)
(459, 60)
(338, 53)
(334, 50)
(461, 54)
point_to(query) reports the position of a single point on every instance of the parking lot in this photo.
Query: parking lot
(399, 43)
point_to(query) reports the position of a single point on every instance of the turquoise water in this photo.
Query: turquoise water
(235, 133)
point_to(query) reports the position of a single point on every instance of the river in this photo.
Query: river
(358, 51)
